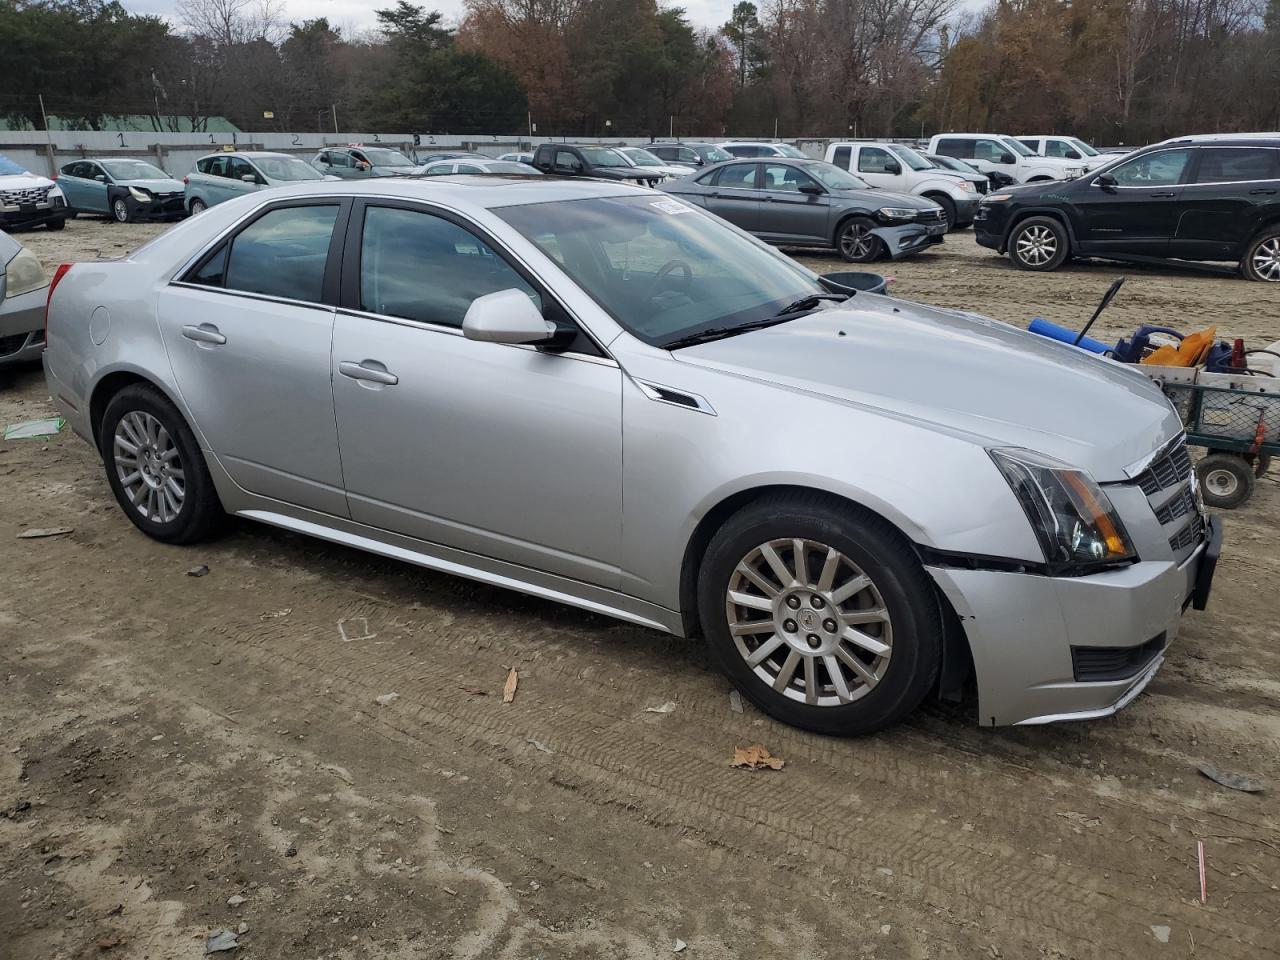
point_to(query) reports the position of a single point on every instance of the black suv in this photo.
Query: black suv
(1194, 198)
(689, 154)
(588, 160)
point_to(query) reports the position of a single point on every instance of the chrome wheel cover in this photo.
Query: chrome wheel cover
(1266, 259)
(120, 211)
(808, 622)
(1221, 483)
(856, 241)
(148, 467)
(1036, 245)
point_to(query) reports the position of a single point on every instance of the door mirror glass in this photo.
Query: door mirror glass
(248, 178)
(1007, 158)
(1106, 181)
(508, 316)
(893, 167)
(1073, 154)
(100, 177)
(812, 189)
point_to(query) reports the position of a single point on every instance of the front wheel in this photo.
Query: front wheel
(821, 616)
(857, 243)
(120, 210)
(1261, 260)
(1039, 243)
(1226, 479)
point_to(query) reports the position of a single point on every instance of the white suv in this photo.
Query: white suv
(895, 167)
(997, 153)
(761, 148)
(1069, 149)
(27, 199)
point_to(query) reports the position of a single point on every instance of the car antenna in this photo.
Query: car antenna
(1107, 297)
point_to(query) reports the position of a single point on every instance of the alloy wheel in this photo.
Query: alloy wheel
(857, 242)
(149, 467)
(809, 622)
(1266, 259)
(120, 211)
(1036, 245)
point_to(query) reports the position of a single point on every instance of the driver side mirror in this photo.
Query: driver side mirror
(1106, 181)
(1007, 158)
(101, 178)
(812, 189)
(509, 316)
(893, 167)
(248, 178)
(1073, 155)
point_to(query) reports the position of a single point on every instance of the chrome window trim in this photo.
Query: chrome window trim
(250, 295)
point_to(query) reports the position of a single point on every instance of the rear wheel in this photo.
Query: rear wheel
(821, 616)
(1226, 479)
(1039, 243)
(1261, 260)
(857, 243)
(198, 206)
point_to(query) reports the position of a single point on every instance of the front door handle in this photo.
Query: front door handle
(1254, 193)
(204, 333)
(369, 370)
(1167, 194)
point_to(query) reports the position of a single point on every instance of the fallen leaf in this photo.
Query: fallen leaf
(668, 707)
(37, 533)
(509, 688)
(755, 757)
(1235, 781)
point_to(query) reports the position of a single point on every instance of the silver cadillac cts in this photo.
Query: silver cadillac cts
(599, 394)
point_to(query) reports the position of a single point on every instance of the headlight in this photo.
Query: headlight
(897, 213)
(967, 186)
(997, 197)
(142, 196)
(24, 274)
(1073, 519)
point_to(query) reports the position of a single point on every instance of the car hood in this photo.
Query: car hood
(166, 185)
(23, 181)
(885, 198)
(962, 374)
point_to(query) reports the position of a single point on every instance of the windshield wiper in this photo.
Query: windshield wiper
(790, 312)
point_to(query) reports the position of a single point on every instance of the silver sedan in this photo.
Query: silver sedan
(605, 396)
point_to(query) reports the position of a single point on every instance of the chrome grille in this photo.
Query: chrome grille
(931, 216)
(1188, 536)
(1169, 468)
(25, 195)
(1179, 506)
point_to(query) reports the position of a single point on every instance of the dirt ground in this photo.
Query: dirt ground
(181, 754)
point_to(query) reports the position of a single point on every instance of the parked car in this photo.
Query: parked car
(28, 199)
(751, 148)
(995, 153)
(851, 497)
(351, 163)
(1209, 198)
(898, 168)
(221, 176)
(520, 157)
(689, 154)
(981, 182)
(441, 168)
(809, 203)
(122, 188)
(1067, 148)
(588, 160)
(22, 296)
(643, 158)
(433, 156)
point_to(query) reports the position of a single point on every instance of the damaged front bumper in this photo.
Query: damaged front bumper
(909, 238)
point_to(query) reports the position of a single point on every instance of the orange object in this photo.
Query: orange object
(1191, 352)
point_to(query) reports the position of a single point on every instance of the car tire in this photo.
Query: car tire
(1039, 243)
(197, 206)
(1261, 260)
(56, 224)
(172, 504)
(1227, 480)
(948, 208)
(898, 623)
(120, 210)
(855, 242)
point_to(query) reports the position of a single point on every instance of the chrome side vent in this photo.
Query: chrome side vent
(661, 393)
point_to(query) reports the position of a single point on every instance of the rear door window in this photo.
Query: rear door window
(956, 147)
(841, 157)
(1236, 164)
(1163, 169)
(283, 253)
(738, 176)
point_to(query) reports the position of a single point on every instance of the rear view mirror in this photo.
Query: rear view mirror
(893, 167)
(1106, 181)
(100, 178)
(508, 316)
(1073, 155)
(812, 189)
(1007, 158)
(248, 178)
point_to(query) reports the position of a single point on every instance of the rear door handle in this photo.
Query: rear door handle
(1254, 193)
(1168, 194)
(204, 333)
(369, 370)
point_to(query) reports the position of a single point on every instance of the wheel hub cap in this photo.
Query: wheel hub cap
(1037, 245)
(148, 467)
(1266, 259)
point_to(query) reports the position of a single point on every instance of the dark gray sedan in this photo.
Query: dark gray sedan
(811, 203)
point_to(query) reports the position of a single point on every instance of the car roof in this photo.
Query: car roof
(1252, 139)
(471, 191)
(249, 153)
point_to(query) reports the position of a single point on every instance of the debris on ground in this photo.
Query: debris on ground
(350, 635)
(1236, 781)
(275, 614)
(242, 929)
(37, 533)
(755, 757)
(509, 688)
(199, 571)
(679, 946)
(668, 707)
(108, 943)
(386, 699)
(538, 745)
(31, 429)
(220, 940)
(735, 701)
(1161, 932)
(475, 691)
(235, 900)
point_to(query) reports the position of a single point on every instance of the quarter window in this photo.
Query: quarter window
(841, 157)
(1236, 164)
(956, 147)
(873, 160)
(1161, 169)
(422, 267)
(283, 253)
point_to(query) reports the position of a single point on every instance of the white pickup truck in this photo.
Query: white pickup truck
(1069, 148)
(898, 168)
(997, 153)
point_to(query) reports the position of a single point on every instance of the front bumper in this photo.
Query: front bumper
(966, 208)
(32, 214)
(1029, 635)
(164, 207)
(22, 327)
(909, 238)
(989, 222)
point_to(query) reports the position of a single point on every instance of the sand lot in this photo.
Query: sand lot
(182, 754)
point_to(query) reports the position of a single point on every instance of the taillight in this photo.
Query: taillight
(185, 181)
(53, 284)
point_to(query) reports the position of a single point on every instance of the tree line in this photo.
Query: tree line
(1112, 71)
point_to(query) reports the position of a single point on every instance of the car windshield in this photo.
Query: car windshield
(8, 168)
(1016, 147)
(134, 170)
(910, 157)
(1083, 147)
(712, 154)
(387, 158)
(286, 168)
(643, 157)
(789, 151)
(832, 177)
(605, 157)
(661, 268)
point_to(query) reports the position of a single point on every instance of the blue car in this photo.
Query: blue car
(124, 189)
(222, 176)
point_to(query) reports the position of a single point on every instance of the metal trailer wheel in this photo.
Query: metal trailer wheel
(1226, 479)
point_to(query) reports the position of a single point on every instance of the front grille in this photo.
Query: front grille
(981, 186)
(1169, 468)
(1179, 506)
(1103, 664)
(931, 216)
(1189, 535)
(25, 195)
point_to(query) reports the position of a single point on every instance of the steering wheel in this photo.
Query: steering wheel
(668, 268)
